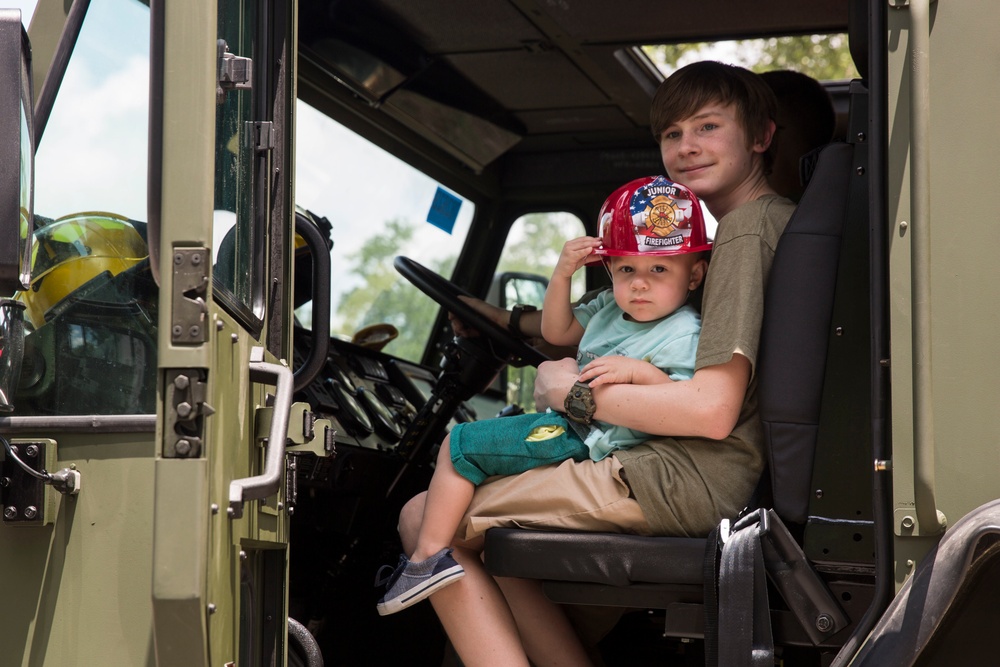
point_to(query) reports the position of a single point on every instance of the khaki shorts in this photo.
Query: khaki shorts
(586, 496)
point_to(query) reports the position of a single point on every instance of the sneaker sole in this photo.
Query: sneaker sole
(424, 591)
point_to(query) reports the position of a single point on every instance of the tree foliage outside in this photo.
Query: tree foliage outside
(384, 296)
(823, 57)
(536, 240)
(533, 246)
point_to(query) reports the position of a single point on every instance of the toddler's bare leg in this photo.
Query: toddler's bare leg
(448, 498)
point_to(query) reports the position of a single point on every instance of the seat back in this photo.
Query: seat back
(795, 331)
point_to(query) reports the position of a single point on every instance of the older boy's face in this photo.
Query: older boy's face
(709, 152)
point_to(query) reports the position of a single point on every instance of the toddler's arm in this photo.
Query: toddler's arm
(622, 370)
(559, 327)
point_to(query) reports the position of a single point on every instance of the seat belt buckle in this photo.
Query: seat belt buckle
(725, 531)
(761, 517)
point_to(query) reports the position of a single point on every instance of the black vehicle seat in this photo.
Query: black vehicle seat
(667, 572)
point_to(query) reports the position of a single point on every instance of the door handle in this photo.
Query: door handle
(263, 485)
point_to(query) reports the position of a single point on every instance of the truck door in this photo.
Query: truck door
(220, 209)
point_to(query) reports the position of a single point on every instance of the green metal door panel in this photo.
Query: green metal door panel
(963, 239)
(210, 161)
(234, 452)
(82, 584)
(188, 109)
(180, 521)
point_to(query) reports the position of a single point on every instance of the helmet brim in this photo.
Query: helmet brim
(611, 252)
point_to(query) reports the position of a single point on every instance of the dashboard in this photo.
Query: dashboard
(371, 398)
(388, 416)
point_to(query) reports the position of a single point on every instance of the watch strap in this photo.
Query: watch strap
(514, 324)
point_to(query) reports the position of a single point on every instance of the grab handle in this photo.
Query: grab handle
(930, 520)
(263, 485)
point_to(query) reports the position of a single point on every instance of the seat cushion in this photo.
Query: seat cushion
(604, 558)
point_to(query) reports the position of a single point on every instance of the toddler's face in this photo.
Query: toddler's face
(651, 287)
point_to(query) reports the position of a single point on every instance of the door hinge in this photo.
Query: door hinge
(259, 135)
(235, 72)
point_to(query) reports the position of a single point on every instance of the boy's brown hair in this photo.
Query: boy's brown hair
(692, 87)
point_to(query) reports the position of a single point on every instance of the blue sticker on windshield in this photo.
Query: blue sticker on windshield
(444, 210)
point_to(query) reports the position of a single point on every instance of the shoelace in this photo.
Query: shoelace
(386, 580)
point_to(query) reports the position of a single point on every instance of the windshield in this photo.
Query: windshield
(92, 156)
(91, 309)
(823, 57)
(379, 207)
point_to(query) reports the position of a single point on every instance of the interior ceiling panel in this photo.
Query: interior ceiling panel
(486, 25)
(542, 80)
(502, 24)
(574, 120)
(540, 71)
(645, 21)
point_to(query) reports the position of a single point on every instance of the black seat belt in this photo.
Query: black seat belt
(738, 615)
(737, 610)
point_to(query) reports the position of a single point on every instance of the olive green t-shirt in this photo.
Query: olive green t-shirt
(686, 485)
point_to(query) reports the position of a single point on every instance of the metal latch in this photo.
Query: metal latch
(235, 72)
(188, 309)
(186, 391)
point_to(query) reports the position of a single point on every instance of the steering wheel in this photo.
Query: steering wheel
(505, 344)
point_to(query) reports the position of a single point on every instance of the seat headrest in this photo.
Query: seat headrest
(858, 21)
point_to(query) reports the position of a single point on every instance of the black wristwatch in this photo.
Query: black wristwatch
(579, 404)
(514, 325)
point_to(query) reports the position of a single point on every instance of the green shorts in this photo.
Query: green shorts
(512, 445)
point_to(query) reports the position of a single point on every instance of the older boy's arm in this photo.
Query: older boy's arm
(708, 405)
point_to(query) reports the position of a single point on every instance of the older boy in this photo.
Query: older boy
(652, 239)
(714, 124)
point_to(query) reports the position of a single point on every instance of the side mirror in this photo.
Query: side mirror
(511, 288)
(17, 150)
(17, 185)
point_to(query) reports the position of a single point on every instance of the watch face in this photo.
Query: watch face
(580, 403)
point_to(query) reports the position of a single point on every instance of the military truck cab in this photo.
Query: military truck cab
(233, 233)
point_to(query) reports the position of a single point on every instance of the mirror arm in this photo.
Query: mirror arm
(53, 78)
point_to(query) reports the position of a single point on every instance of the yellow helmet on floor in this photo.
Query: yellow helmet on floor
(71, 251)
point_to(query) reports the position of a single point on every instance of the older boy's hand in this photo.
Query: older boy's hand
(622, 370)
(575, 254)
(489, 311)
(553, 382)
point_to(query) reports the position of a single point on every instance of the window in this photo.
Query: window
(91, 343)
(533, 246)
(239, 219)
(93, 154)
(534, 243)
(823, 57)
(379, 207)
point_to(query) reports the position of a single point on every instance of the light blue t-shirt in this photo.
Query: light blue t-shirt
(670, 344)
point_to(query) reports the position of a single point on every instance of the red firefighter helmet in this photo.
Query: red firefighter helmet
(652, 215)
